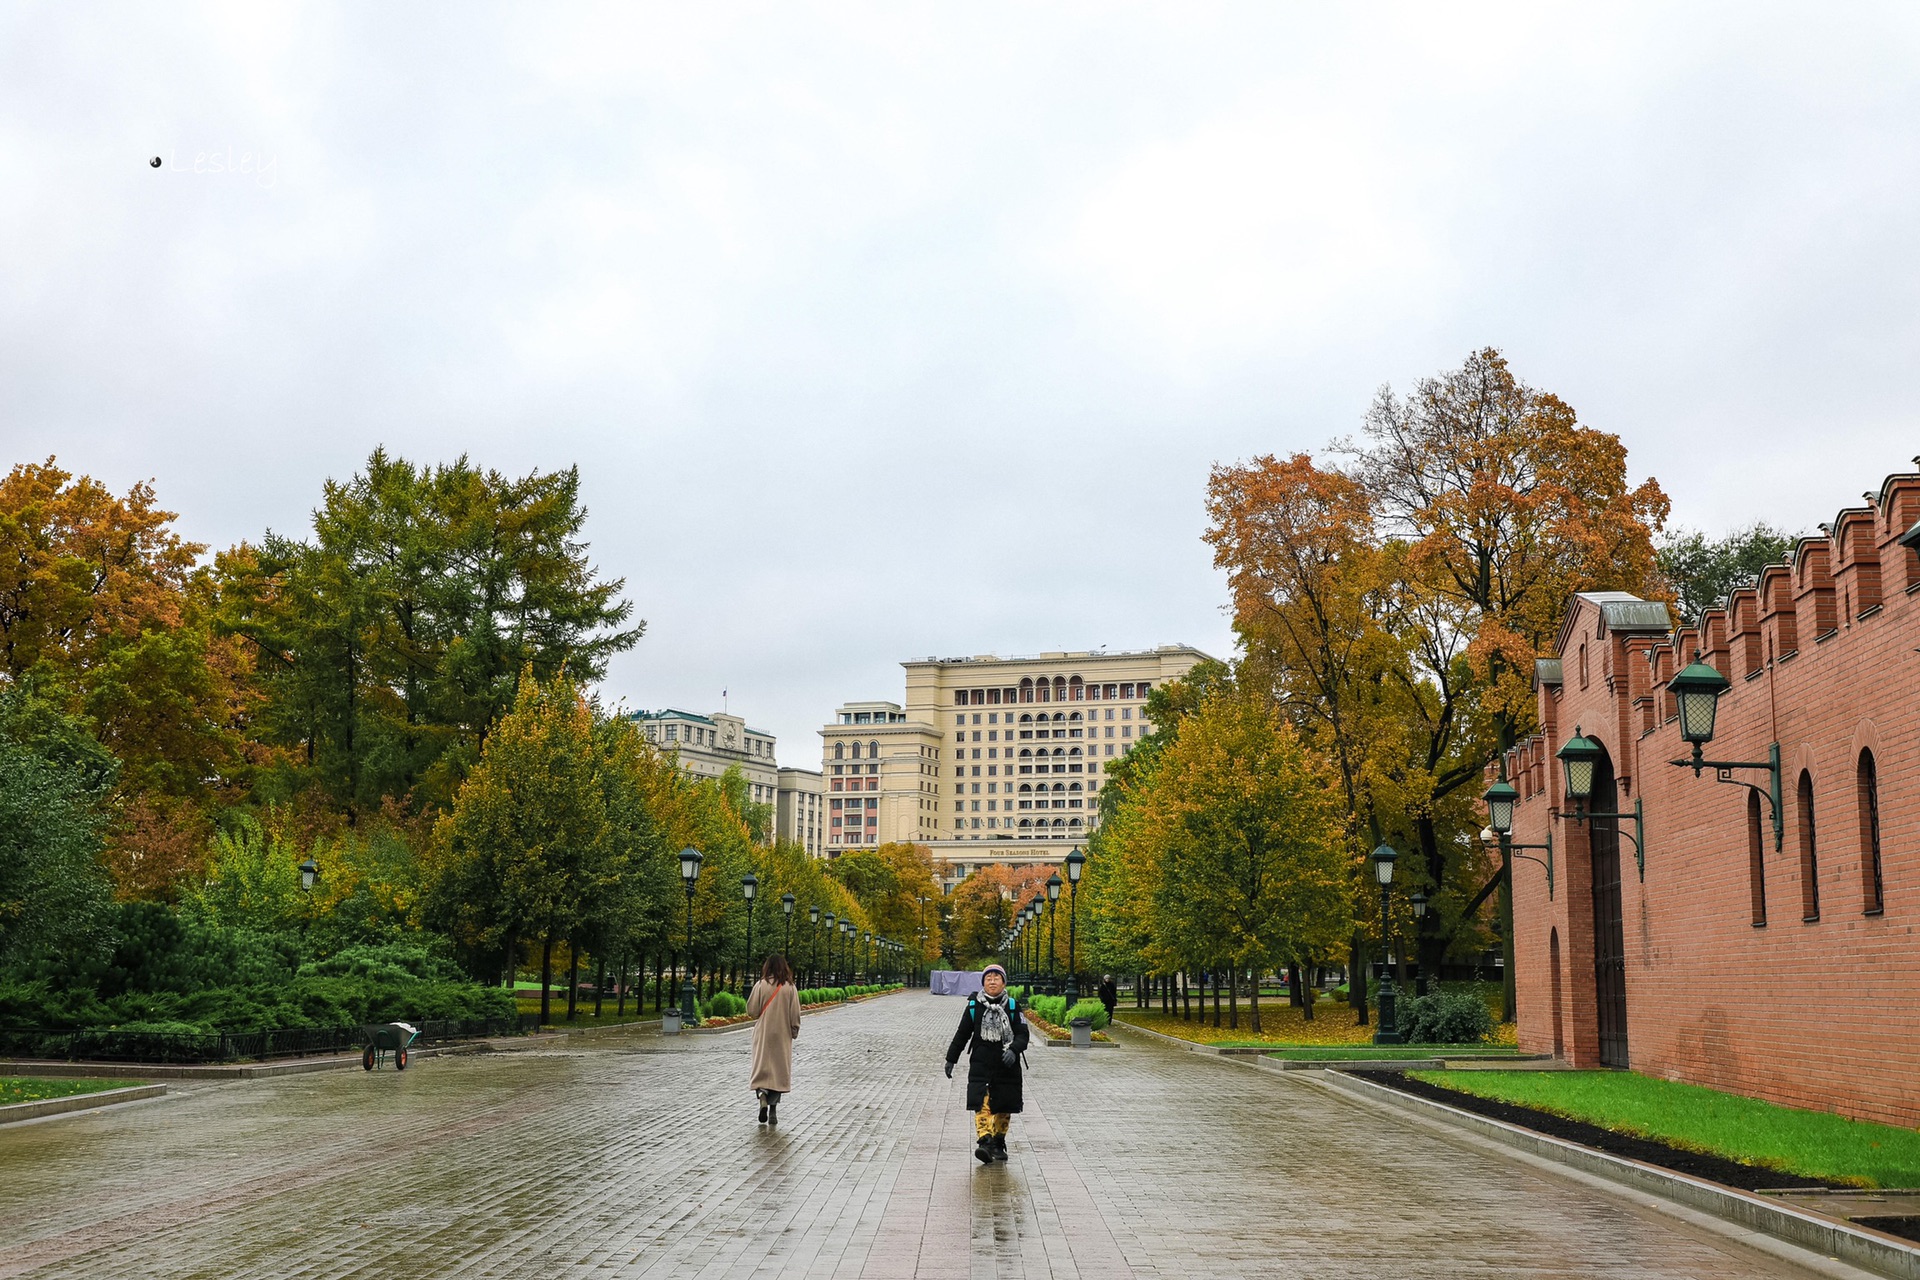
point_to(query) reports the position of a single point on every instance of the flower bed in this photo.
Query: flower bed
(1051, 1032)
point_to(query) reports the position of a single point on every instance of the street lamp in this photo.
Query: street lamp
(1419, 914)
(309, 872)
(833, 932)
(749, 884)
(1581, 757)
(1053, 926)
(690, 860)
(813, 942)
(786, 912)
(922, 936)
(1697, 688)
(1389, 1031)
(1076, 862)
(866, 942)
(1501, 798)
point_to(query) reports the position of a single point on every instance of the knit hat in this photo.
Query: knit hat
(993, 968)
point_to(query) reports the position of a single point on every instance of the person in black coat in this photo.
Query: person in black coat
(994, 1032)
(1109, 994)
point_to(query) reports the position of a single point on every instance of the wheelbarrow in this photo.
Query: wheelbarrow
(394, 1038)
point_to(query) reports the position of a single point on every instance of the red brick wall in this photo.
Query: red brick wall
(1825, 660)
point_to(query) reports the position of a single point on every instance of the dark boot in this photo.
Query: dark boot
(773, 1107)
(999, 1146)
(763, 1104)
(983, 1149)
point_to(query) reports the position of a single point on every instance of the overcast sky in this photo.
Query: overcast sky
(888, 331)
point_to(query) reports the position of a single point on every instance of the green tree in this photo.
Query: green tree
(527, 839)
(1704, 571)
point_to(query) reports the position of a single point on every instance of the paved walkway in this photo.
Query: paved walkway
(631, 1156)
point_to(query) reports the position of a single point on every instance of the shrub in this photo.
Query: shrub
(724, 1004)
(1445, 1017)
(1087, 1008)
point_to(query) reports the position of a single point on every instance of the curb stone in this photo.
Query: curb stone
(1832, 1237)
(15, 1112)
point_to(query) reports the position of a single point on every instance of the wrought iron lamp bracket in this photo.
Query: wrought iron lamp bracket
(1723, 772)
(1547, 863)
(1638, 835)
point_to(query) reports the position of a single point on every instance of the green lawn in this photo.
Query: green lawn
(1383, 1053)
(584, 1018)
(37, 1088)
(1700, 1119)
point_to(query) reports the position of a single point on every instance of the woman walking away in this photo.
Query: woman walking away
(775, 1006)
(997, 1034)
(1109, 995)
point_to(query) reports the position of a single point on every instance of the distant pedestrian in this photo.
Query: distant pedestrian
(995, 1035)
(1109, 994)
(776, 1007)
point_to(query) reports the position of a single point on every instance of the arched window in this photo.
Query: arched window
(1756, 861)
(1026, 717)
(1059, 717)
(1059, 688)
(873, 750)
(1026, 753)
(1073, 788)
(839, 751)
(1026, 788)
(1074, 754)
(1044, 689)
(1076, 691)
(1074, 718)
(1026, 691)
(1809, 850)
(1867, 781)
(1073, 824)
(856, 753)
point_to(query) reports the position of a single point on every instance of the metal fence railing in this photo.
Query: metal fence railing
(110, 1044)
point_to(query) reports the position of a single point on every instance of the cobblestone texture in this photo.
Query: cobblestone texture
(639, 1156)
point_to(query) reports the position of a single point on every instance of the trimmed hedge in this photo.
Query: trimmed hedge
(1445, 1017)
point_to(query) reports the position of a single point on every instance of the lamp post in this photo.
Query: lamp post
(1389, 1029)
(786, 938)
(309, 876)
(749, 885)
(690, 859)
(1697, 688)
(813, 943)
(1076, 861)
(1501, 798)
(921, 959)
(833, 932)
(1581, 756)
(866, 944)
(1053, 927)
(1419, 914)
(847, 931)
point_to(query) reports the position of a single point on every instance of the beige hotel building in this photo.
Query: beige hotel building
(989, 760)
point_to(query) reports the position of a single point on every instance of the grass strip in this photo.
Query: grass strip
(39, 1088)
(1386, 1053)
(1696, 1118)
(1281, 1027)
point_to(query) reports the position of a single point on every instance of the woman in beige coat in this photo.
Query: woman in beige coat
(775, 1006)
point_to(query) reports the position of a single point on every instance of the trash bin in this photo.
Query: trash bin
(1083, 1033)
(670, 1022)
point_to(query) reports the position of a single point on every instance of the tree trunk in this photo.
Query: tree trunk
(1293, 984)
(1215, 975)
(1357, 981)
(1253, 1005)
(599, 986)
(1166, 995)
(512, 973)
(625, 964)
(546, 978)
(1186, 998)
(573, 981)
(1509, 1007)
(1308, 994)
(1233, 999)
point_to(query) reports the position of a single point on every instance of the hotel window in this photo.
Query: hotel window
(993, 788)
(1109, 750)
(671, 731)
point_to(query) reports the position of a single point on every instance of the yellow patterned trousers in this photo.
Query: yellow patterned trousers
(987, 1123)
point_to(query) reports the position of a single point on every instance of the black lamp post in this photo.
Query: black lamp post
(813, 943)
(1389, 1029)
(749, 885)
(309, 876)
(786, 937)
(690, 859)
(921, 959)
(1076, 862)
(1053, 927)
(866, 944)
(833, 932)
(1697, 687)
(1581, 756)
(1419, 914)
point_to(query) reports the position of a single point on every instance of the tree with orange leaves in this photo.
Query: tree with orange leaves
(1397, 606)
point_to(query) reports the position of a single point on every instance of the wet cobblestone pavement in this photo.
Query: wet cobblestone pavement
(639, 1156)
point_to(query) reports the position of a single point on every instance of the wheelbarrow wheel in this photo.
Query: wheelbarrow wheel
(399, 1059)
(366, 1059)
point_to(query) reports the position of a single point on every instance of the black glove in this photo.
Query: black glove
(1007, 1056)
(949, 1071)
